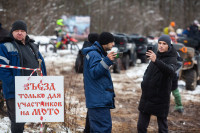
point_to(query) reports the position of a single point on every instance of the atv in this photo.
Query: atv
(190, 71)
(141, 46)
(128, 48)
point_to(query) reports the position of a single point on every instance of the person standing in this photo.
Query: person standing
(175, 91)
(156, 86)
(98, 85)
(19, 50)
(3, 35)
(92, 38)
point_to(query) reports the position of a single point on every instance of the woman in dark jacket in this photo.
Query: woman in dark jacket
(156, 85)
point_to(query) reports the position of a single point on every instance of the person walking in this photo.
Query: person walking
(98, 85)
(156, 86)
(19, 50)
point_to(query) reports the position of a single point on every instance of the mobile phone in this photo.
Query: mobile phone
(119, 54)
(149, 48)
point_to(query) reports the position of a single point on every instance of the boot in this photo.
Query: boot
(177, 98)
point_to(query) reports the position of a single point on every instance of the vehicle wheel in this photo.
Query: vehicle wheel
(117, 66)
(134, 59)
(144, 59)
(51, 48)
(79, 63)
(198, 82)
(190, 79)
(125, 61)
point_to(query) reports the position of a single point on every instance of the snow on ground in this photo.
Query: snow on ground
(66, 59)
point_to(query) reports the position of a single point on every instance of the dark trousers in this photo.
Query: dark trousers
(87, 124)
(100, 120)
(15, 127)
(143, 123)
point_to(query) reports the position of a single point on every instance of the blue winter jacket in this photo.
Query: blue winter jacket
(10, 55)
(99, 91)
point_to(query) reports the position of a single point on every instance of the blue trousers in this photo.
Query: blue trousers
(100, 120)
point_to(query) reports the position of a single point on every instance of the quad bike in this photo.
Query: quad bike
(190, 71)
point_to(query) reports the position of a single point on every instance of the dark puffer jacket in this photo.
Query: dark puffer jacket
(156, 84)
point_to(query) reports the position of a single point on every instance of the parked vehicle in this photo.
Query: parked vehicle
(141, 46)
(190, 71)
(128, 48)
(189, 42)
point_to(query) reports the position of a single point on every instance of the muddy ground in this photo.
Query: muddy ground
(125, 115)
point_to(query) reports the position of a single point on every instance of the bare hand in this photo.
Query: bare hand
(152, 55)
(112, 55)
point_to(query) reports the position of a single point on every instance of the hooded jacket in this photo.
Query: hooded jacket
(98, 85)
(10, 54)
(157, 83)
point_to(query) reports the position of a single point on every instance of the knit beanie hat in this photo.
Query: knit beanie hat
(105, 38)
(92, 37)
(166, 39)
(19, 25)
(173, 24)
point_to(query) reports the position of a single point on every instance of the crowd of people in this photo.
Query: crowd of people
(192, 31)
(159, 80)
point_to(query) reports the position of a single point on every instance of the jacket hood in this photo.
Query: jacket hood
(96, 46)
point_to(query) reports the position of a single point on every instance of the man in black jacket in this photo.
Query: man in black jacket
(156, 85)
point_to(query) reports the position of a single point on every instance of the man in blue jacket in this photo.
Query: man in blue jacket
(99, 91)
(17, 50)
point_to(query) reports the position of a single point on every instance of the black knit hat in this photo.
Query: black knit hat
(19, 25)
(92, 37)
(105, 38)
(166, 39)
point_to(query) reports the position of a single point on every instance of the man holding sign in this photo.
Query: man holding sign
(17, 50)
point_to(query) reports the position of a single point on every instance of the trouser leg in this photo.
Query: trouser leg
(143, 122)
(87, 124)
(15, 127)
(100, 120)
(162, 124)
